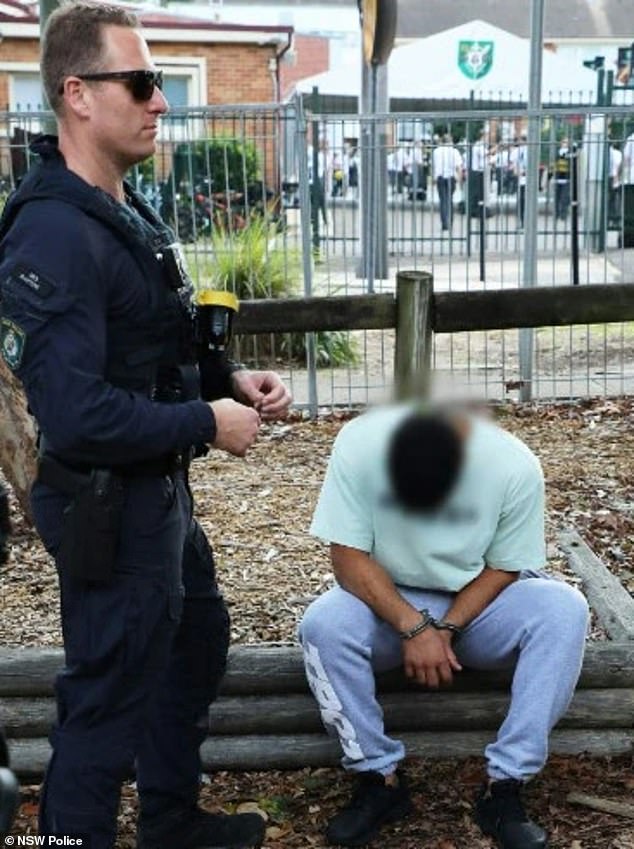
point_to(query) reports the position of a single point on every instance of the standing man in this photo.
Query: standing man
(562, 180)
(96, 322)
(628, 160)
(447, 169)
(519, 161)
(436, 530)
(477, 168)
(615, 188)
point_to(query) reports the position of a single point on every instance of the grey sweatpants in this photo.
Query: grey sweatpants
(536, 625)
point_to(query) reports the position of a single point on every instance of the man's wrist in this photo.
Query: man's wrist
(426, 621)
(443, 625)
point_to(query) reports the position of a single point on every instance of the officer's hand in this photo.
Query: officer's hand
(429, 659)
(263, 390)
(236, 426)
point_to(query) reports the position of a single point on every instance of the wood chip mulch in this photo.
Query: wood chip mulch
(257, 511)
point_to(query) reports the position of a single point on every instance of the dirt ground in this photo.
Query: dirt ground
(257, 511)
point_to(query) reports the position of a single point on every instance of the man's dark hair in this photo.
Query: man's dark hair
(424, 460)
(73, 44)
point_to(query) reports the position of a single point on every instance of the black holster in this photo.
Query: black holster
(92, 520)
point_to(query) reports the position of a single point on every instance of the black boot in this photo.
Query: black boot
(197, 829)
(500, 814)
(373, 804)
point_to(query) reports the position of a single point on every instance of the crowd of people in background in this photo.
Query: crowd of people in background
(475, 177)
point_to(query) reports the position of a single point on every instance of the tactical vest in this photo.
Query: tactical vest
(155, 355)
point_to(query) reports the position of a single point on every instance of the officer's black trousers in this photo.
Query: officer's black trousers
(144, 657)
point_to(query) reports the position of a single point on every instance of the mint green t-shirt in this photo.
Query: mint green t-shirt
(494, 515)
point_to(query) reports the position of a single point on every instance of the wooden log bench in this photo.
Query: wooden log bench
(265, 717)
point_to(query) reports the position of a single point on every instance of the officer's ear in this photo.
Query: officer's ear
(74, 94)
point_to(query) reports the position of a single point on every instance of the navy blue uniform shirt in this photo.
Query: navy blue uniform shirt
(71, 289)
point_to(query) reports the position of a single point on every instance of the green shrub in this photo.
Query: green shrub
(229, 163)
(251, 264)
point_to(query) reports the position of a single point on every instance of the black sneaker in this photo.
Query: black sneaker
(500, 814)
(373, 804)
(198, 829)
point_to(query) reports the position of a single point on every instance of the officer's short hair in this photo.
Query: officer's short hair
(72, 42)
(425, 455)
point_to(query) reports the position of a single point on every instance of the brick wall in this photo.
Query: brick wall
(15, 50)
(310, 55)
(236, 73)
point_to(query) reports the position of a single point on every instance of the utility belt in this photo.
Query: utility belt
(70, 478)
(92, 521)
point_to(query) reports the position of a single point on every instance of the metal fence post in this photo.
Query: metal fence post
(529, 275)
(305, 212)
(414, 333)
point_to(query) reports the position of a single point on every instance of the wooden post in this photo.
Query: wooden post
(611, 602)
(414, 326)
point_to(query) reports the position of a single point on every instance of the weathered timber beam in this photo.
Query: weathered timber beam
(610, 600)
(275, 669)
(339, 312)
(544, 306)
(407, 711)
(606, 806)
(255, 752)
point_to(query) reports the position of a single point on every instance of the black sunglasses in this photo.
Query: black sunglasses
(141, 84)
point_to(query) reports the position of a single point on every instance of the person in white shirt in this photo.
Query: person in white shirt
(519, 158)
(477, 169)
(502, 165)
(615, 188)
(447, 171)
(392, 170)
(628, 160)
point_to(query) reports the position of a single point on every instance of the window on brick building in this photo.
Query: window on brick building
(185, 87)
(25, 92)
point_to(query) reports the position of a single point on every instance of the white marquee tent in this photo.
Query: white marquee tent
(474, 57)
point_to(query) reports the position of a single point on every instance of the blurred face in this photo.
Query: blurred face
(122, 126)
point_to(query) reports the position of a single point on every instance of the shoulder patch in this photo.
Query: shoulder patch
(12, 342)
(33, 280)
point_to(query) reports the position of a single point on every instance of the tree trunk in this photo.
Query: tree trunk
(17, 439)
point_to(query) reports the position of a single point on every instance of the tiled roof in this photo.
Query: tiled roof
(15, 11)
(562, 18)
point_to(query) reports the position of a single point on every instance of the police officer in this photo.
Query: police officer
(96, 323)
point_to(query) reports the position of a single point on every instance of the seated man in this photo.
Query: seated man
(8, 783)
(436, 527)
